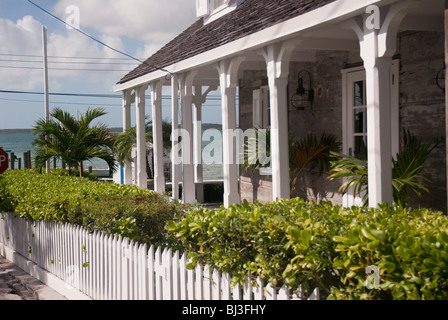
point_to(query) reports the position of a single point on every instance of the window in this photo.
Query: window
(261, 108)
(212, 10)
(217, 3)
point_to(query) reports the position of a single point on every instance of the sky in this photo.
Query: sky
(77, 64)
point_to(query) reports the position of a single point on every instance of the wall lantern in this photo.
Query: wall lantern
(440, 79)
(303, 96)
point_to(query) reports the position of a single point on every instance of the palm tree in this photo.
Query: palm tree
(313, 152)
(74, 141)
(407, 179)
(126, 141)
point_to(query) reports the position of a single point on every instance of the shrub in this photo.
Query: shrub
(302, 243)
(73, 173)
(410, 248)
(128, 211)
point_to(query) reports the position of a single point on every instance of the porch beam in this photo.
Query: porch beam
(140, 102)
(278, 57)
(157, 133)
(228, 77)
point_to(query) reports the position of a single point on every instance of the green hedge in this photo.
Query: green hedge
(140, 215)
(296, 242)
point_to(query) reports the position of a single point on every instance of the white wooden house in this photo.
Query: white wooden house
(372, 65)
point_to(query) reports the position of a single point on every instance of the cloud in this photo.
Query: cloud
(24, 37)
(137, 27)
(153, 21)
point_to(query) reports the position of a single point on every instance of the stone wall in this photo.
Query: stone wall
(422, 106)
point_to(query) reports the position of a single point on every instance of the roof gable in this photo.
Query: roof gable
(248, 18)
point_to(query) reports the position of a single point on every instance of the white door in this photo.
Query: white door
(355, 123)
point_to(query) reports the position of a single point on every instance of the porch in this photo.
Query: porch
(390, 55)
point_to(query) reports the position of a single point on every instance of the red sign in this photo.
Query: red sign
(4, 163)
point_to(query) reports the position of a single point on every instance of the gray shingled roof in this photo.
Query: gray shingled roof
(250, 17)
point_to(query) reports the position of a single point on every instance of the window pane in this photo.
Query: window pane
(359, 94)
(217, 3)
(359, 120)
(360, 148)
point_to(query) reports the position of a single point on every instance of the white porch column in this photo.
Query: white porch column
(377, 49)
(186, 89)
(228, 72)
(127, 101)
(277, 58)
(142, 180)
(197, 127)
(157, 134)
(199, 99)
(175, 167)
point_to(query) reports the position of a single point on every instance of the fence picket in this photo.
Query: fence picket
(143, 264)
(176, 276)
(216, 283)
(114, 268)
(183, 277)
(151, 274)
(283, 293)
(168, 274)
(226, 292)
(198, 279)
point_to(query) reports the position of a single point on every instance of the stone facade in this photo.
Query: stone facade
(422, 106)
(422, 111)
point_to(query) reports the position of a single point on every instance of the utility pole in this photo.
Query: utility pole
(46, 100)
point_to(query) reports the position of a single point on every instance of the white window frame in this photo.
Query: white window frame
(261, 112)
(218, 12)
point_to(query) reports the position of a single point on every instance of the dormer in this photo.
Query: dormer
(211, 10)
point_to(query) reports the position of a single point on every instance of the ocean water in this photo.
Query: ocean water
(19, 143)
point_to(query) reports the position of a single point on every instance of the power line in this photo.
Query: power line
(89, 95)
(62, 69)
(96, 40)
(92, 95)
(69, 62)
(63, 103)
(60, 57)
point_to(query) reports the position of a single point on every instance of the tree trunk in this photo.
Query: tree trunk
(80, 169)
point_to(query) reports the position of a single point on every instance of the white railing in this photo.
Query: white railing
(114, 268)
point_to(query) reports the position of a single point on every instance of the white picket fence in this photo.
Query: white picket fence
(114, 268)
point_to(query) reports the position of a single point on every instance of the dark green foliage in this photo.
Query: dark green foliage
(128, 211)
(321, 245)
(313, 153)
(407, 179)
